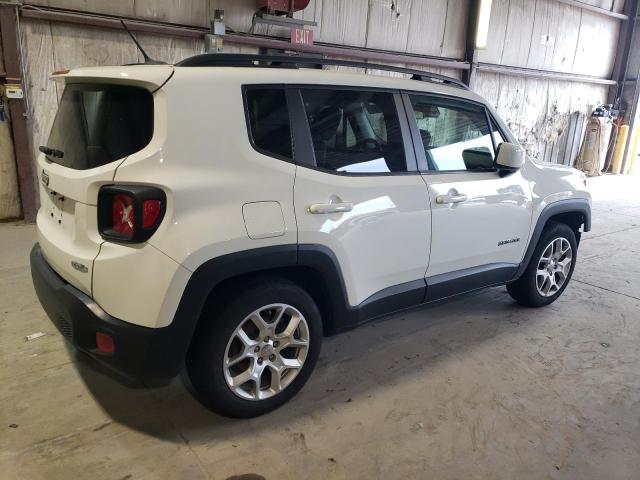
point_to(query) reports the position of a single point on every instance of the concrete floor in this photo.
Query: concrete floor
(475, 388)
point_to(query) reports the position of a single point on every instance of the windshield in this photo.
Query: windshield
(99, 123)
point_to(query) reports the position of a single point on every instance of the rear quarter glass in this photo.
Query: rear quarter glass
(97, 124)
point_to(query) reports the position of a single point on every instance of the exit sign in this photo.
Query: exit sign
(300, 36)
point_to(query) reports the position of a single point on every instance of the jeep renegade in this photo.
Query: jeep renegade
(226, 212)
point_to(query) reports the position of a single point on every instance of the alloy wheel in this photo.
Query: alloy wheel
(554, 267)
(266, 352)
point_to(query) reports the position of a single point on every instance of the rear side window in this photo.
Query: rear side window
(355, 131)
(99, 123)
(268, 117)
(455, 134)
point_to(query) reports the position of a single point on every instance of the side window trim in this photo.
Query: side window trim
(495, 126)
(245, 106)
(303, 143)
(423, 165)
(490, 125)
(416, 140)
(407, 141)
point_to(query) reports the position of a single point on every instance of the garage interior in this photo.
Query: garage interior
(474, 388)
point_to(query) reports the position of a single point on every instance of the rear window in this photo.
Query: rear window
(98, 123)
(269, 121)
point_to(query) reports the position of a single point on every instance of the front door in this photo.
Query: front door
(480, 219)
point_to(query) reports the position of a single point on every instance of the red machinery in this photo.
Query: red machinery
(281, 7)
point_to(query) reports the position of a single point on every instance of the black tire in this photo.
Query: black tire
(206, 356)
(524, 290)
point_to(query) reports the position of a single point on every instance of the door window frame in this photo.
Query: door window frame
(304, 152)
(421, 157)
(495, 126)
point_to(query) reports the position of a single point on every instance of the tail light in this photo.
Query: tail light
(131, 213)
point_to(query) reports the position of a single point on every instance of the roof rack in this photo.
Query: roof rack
(292, 61)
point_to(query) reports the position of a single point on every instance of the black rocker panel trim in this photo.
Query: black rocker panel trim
(469, 279)
(398, 297)
(339, 314)
(573, 205)
(392, 299)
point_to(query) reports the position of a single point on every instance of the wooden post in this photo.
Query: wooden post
(27, 182)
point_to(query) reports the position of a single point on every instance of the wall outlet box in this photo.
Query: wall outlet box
(13, 91)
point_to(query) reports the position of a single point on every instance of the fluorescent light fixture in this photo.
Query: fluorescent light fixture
(482, 25)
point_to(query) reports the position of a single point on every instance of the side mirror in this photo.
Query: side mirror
(477, 158)
(510, 158)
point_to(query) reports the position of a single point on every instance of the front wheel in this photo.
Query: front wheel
(550, 268)
(258, 351)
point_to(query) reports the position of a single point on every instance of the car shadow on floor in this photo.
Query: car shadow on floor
(352, 367)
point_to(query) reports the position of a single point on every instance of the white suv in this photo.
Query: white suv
(228, 211)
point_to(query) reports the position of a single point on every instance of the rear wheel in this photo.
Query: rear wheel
(256, 353)
(550, 268)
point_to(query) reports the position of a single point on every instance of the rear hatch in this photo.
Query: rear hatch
(101, 120)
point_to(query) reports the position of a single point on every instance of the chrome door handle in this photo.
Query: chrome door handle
(457, 198)
(330, 207)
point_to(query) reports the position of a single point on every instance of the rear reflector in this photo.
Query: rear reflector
(105, 343)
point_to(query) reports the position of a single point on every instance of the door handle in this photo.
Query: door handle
(456, 198)
(341, 207)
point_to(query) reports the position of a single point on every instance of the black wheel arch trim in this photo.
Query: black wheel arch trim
(319, 258)
(338, 313)
(572, 205)
(213, 272)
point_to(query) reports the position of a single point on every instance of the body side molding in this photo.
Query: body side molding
(319, 259)
(469, 279)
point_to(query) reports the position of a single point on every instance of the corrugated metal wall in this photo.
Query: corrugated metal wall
(546, 35)
(542, 34)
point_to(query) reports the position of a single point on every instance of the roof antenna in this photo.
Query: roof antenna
(147, 60)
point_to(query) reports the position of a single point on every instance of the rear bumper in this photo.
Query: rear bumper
(150, 355)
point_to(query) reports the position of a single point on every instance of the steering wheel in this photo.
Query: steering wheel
(369, 145)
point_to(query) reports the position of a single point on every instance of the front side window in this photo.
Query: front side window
(455, 135)
(99, 123)
(268, 116)
(355, 131)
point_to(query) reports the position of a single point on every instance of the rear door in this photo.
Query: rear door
(480, 218)
(358, 192)
(96, 127)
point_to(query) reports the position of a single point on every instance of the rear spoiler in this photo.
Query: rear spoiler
(151, 77)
